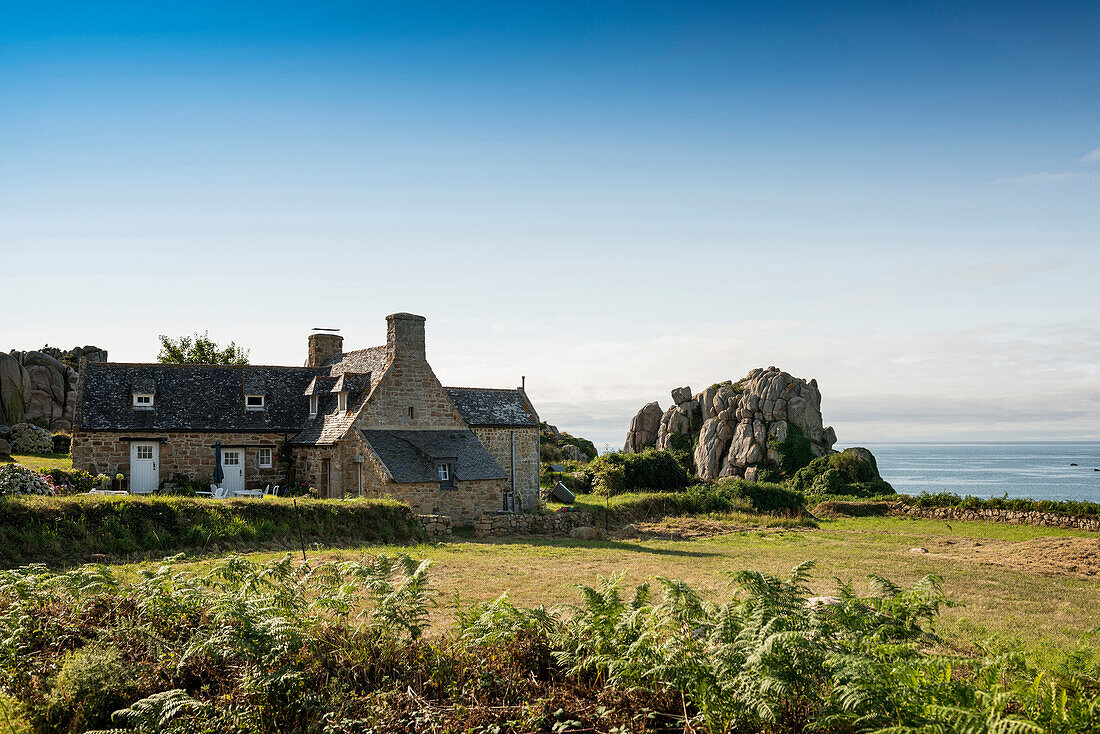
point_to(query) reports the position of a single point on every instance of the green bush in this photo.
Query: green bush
(93, 682)
(62, 442)
(72, 481)
(852, 473)
(619, 472)
(61, 530)
(948, 499)
(795, 451)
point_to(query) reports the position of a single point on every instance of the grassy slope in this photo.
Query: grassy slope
(43, 461)
(1043, 613)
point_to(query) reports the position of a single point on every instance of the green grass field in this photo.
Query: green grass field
(41, 461)
(1005, 596)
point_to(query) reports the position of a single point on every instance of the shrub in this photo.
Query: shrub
(16, 479)
(948, 499)
(852, 473)
(63, 529)
(27, 438)
(795, 451)
(62, 442)
(650, 469)
(71, 482)
(92, 683)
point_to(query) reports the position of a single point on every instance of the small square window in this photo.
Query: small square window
(231, 458)
(265, 458)
(143, 400)
(253, 402)
(144, 452)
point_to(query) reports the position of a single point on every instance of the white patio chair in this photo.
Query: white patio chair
(220, 493)
(272, 491)
(204, 493)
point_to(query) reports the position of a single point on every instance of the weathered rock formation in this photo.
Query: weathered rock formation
(732, 427)
(40, 386)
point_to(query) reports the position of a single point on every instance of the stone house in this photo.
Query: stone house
(373, 422)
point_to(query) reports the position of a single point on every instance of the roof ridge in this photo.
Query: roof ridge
(497, 389)
(201, 364)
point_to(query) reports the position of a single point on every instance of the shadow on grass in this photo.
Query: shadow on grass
(610, 544)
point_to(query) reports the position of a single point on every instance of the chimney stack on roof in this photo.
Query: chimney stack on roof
(405, 337)
(324, 348)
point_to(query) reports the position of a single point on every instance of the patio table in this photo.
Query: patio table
(248, 493)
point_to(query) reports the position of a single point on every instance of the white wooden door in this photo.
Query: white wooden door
(233, 469)
(144, 462)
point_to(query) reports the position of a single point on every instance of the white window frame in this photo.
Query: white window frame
(260, 454)
(342, 401)
(144, 451)
(143, 404)
(259, 407)
(313, 406)
(444, 472)
(235, 454)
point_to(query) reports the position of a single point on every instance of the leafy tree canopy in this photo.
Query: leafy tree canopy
(199, 349)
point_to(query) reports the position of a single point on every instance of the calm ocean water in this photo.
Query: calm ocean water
(1036, 470)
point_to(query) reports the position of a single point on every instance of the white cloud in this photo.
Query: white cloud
(1093, 156)
(996, 273)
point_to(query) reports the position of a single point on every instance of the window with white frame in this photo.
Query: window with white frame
(143, 400)
(253, 402)
(265, 458)
(444, 472)
(144, 452)
(342, 401)
(312, 406)
(231, 458)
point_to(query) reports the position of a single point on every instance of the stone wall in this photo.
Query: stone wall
(499, 443)
(1013, 517)
(190, 453)
(437, 526)
(555, 523)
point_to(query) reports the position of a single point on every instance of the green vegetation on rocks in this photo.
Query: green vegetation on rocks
(852, 472)
(651, 469)
(558, 446)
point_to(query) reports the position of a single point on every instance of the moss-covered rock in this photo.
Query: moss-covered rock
(852, 472)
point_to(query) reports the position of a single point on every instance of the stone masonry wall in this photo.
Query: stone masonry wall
(437, 526)
(556, 523)
(1013, 517)
(190, 453)
(499, 443)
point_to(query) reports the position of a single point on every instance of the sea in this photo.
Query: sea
(1037, 470)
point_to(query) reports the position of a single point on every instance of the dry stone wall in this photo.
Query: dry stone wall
(557, 523)
(1012, 517)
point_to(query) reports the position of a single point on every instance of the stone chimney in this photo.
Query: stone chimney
(405, 337)
(324, 348)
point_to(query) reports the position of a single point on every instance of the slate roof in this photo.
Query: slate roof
(410, 456)
(480, 406)
(193, 397)
(372, 360)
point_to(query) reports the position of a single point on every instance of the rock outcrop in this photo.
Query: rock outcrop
(733, 428)
(644, 428)
(40, 386)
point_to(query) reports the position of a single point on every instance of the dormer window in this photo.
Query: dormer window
(253, 402)
(446, 476)
(143, 401)
(313, 406)
(342, 402)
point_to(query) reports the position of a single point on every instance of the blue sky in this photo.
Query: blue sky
(901, 200)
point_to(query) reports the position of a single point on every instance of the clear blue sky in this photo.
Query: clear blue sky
(899, 199)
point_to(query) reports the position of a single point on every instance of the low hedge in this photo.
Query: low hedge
(949, 499)
(651, 469)
(66, 530)
(727, 495)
